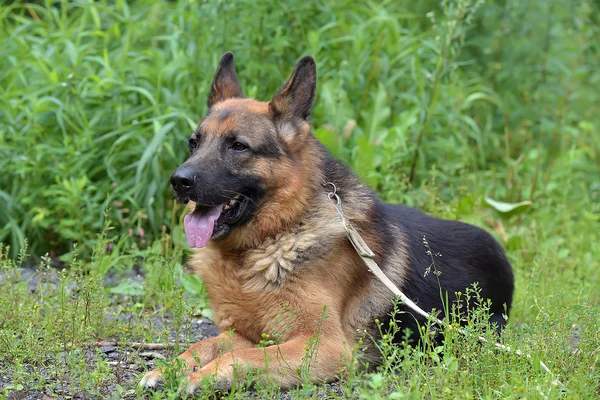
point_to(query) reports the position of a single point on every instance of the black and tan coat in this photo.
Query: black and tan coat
(279, 261)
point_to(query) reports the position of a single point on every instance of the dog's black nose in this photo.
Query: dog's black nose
(183, 179)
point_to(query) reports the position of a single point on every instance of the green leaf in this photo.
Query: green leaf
(330, 140)
(563, 253)
(505, 208)
(365, 161)
(153, 148)
(377, 116)
(207, 313)
(128, 289)
(192, 284)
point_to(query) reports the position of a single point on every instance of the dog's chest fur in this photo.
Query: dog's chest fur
(262, 290)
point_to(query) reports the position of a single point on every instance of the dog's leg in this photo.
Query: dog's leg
(199, 354)
(285, 364)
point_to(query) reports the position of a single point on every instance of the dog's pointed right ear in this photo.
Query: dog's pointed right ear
(296, 97)
(225, 84)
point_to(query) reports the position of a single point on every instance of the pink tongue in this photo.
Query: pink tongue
(199, 226)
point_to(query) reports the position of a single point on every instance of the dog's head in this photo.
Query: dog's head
(246, 157)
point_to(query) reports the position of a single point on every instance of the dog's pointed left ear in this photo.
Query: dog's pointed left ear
(225, 84)
(296, 97)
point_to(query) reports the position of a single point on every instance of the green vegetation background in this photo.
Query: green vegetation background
(486, 112)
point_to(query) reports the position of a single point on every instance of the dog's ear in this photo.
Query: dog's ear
(295, 99)
(225, 84)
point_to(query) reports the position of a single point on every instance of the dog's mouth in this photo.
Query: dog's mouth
(207, 222)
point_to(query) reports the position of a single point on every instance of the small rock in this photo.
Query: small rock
(107, 349)
(152, 354)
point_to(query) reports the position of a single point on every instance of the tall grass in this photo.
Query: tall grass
(97, 98)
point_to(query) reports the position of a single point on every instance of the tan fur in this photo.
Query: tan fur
(254, 292)
(257, 291)
(251, 105)
(293, 184)
(290, 271)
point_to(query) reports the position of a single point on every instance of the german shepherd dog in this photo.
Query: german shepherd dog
(275, 257)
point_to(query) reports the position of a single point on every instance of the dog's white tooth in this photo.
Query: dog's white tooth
(237, 196)
(231, 202)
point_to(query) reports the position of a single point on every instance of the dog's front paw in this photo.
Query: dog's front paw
(152, 379)
(197, 380)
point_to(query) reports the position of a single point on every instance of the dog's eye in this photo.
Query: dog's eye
(193, 143)
(237, 146)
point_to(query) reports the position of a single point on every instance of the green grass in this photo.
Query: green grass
(435, 105)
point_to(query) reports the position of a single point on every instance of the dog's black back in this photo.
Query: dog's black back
(447, 257)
